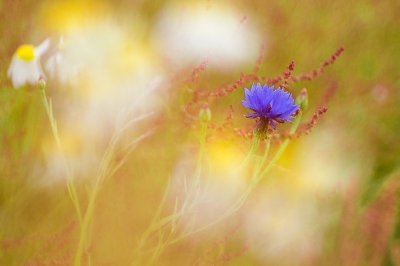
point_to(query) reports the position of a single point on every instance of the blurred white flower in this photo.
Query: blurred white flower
(192, 34)
(58, 66)
(25, 64)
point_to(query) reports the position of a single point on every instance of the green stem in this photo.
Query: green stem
(83, 238)
(153, 226)
(70, 183)
(282, 148)
(267, 145)
(255, 181)
(253, 149)
(49, 110)
(85, 225)
(190, 202)
(201, 152)
(196, 184)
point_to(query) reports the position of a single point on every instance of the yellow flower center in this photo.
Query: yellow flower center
(26, 52)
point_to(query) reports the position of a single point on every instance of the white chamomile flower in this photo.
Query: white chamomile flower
(59, 66)
(25, 64)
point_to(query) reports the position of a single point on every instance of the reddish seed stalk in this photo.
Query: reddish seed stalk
(314, 73)
(248, 133)
(309, 125)
(285, 79)
(194, 75)
(207, 259)
(329, 94)
(259, 60)
(226, 123)
(200, 96)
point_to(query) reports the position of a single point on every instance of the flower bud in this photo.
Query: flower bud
(205, 114)
(41, 83)
(302, 99)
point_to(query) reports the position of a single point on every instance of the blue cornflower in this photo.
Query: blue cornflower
(269, 105)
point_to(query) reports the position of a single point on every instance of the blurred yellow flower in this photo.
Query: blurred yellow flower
(25, 64)
(71, 16)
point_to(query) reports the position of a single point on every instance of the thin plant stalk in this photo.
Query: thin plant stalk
(105, 172)
(174, 219)
(255, 180)
(83, 239)
(282, 148)
(199, 161)
(253, 149)
(153, 226)
(201, 152)
(70, 181)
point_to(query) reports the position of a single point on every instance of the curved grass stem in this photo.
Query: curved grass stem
(175, 219)
(255, 180)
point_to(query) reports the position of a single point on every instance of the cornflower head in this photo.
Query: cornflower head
(269, 105)
(25, 64)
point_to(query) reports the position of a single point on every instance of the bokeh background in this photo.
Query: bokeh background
(331, 199)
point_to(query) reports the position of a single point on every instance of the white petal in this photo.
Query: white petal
(52, 64)
(22, 72)
(42, 48)
(11, 67)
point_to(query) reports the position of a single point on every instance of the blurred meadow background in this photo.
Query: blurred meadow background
(148, 169)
